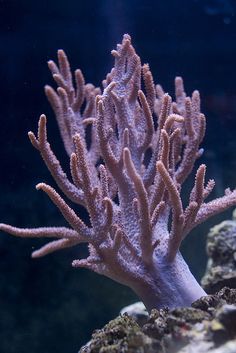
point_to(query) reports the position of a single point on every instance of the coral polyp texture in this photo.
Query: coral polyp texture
(128, 175)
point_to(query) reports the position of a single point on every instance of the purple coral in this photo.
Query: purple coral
(128, 177)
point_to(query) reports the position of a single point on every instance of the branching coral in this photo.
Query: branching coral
(129, 177)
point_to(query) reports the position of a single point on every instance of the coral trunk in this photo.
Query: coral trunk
(169, 285)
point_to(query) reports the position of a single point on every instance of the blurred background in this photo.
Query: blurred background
(46, 305)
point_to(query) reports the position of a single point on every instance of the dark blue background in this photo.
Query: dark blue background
(45, 305)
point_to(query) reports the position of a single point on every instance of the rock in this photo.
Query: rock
(229, 347)
(221, 250)
(227, 317)
(136, 311)
(211, 302)
(121, 335)
(208, 326)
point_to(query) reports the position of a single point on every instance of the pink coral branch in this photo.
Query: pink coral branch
(43, 232)
(41, 143)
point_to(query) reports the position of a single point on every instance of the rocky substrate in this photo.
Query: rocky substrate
(221, 251)
(209, 325)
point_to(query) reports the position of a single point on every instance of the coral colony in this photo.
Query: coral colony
(128, 176)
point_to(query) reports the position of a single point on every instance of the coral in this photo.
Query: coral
(130, 153)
